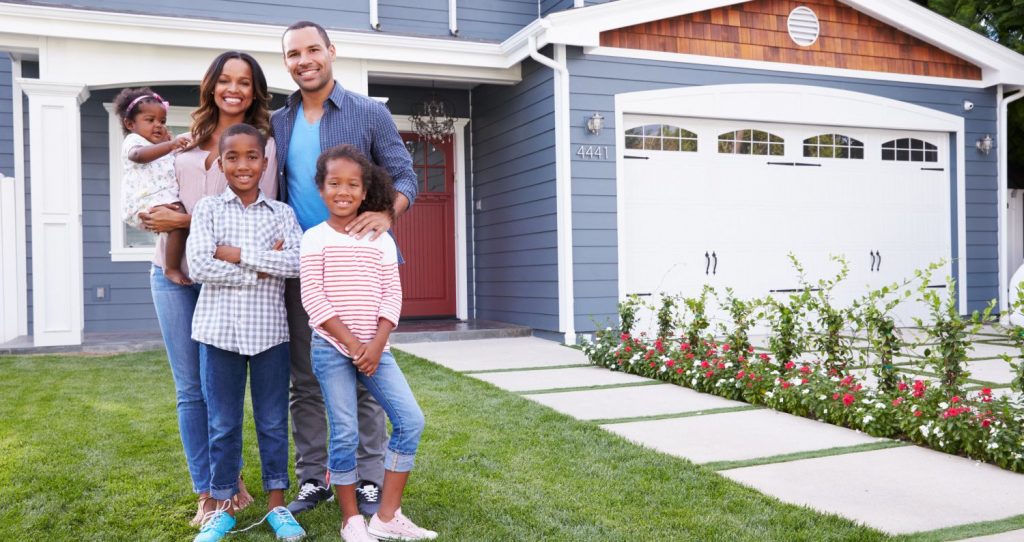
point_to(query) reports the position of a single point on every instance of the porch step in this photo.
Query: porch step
(421, 331)
(115, 342)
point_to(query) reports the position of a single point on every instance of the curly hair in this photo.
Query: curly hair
(205, 118)
(126, 98)
(380, 192)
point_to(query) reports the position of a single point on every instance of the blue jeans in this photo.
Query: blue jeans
(338, 376)
(224, 375)
(174, 307)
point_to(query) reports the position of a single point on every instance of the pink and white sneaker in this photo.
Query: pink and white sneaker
(399, 528)
(355, 530)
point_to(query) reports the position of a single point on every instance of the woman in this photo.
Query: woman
(233, 90)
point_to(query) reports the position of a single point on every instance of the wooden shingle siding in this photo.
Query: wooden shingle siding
(597, 79)
(757, 30)
(515, 255)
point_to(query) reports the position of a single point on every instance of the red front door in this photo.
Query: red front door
(426, 233)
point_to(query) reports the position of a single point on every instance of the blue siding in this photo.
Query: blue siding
(551, 6)
(6, 118)
(595, 82)
(29, 70)
(403, 100)
(514, 234)
(477, 19)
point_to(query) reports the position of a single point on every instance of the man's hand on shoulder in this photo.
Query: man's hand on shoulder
(369, 223)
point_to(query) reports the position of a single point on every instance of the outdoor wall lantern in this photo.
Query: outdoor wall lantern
(984, 144)
(595, 123)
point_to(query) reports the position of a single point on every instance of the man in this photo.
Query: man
(321, 115)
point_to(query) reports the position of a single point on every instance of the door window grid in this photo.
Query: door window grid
(909, 150)
(754, 142)
(428, 161)
(661, 137)
(833, 146)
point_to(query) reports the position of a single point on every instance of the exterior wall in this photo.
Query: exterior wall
(597, 79)
(551, 6)
(515, 234)
(477, 19)
(758, 31)
(29, 70)
(6, 118)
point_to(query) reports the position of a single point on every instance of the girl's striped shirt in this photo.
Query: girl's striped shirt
(353, 279)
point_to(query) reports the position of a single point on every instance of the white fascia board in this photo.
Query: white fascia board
(22, 21)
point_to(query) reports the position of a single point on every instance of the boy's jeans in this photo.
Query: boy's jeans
(224, 386)
(338, 376)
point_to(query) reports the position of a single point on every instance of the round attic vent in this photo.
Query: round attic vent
(803, 26)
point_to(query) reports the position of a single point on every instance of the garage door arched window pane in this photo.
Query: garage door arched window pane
(833, 146)
(661, 137)
(909, 150)
(754, 142)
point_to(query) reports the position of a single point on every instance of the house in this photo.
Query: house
(601, 148)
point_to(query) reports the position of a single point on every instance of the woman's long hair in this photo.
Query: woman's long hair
(206, 117)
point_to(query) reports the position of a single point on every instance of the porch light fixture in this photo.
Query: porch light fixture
(433, 120)
(595, 123)
(985, 144)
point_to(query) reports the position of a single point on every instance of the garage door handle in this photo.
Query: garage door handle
(714, 269)
(872, 261)
(707, 263)
(879, 267)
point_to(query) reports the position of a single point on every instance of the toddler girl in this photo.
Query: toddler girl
(148, 179)
(352, 293)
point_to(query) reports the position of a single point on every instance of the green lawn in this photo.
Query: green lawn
(89, 450)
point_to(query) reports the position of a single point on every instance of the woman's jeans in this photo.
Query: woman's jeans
(174, 307)
(224, 376)
(338, 376)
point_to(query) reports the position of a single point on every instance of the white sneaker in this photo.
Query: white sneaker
(399, 528)
(355, 530)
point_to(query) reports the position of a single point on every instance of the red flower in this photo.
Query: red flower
(704, 365)
(653, 364)
(750, 349)
(628, 349)
(689, 356)
(917, 413)
(764, 357)
(846, 380)
(804, 381)
(624, 336)
(685, 346)
(848, 399)
(721, 365)
(902, 386)
(725, 347)
(986, 391)
(790, 365)
(835, 396)
(679, 371)
(739, 375)
(709, 374)
(785, 384)
(897, 401)
(806, 369)
(742, 359)
(986, 422)
(670, 363)
(955, 399)
(658, 346)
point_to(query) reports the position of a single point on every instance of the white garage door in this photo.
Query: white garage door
(723, 202)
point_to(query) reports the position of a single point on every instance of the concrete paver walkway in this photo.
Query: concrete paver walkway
(897, 490)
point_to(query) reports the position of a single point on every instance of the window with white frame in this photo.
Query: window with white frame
(661, 137)
(756, 142)
(128, 244)
(909, 149)
(834, 146)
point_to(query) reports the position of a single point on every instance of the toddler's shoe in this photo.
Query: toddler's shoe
(399, 528)
(355, 530)
(284, 525)
(216, 528)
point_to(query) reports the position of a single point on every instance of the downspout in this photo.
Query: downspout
(1001, 148)
(563, 184)
(453, 19)
(374, 16)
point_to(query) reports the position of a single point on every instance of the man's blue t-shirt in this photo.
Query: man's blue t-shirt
(300, 170)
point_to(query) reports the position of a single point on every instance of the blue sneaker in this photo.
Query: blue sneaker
(217, 528)
(284, 524)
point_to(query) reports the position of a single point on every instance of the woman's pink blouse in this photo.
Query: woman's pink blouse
(195, 182)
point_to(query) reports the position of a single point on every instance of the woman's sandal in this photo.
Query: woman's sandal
(200, 512)
(241, 499)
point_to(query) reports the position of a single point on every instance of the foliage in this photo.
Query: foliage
(786, 318)
(666, 316)
(742, 316)
(627, 313)
(696, 322)
(872, 315)
(831, 322)
(1015, 334)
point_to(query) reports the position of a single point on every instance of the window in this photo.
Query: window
(833, 146)
(661, 137)
(128, 244)
(909, 150)
(757, 142)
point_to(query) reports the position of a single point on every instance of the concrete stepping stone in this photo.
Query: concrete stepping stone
(492, 354)
(552, 379)
(737, 435)
(898, 490)
(991, 370)
(631, 402)
(1011, 536)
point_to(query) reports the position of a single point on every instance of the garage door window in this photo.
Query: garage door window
(756, 142)
(909, 150)
(833, 146)
(661, 137)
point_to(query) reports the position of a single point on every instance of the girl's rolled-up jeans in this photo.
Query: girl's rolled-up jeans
(338, 376)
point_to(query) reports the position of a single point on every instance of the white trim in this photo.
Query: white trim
(56, 171)
(1002, 144)
(783, 67)
(461, 269)
(792, 104)
(15, 279)
(176, 116)
(453, 18)
(374, 16)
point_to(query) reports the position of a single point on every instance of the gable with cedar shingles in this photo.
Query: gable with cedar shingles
(757, 30)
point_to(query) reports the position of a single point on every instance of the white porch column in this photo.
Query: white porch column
(55, 143)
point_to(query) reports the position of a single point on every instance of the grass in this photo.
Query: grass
(89, 450)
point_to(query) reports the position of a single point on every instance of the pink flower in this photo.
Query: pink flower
(789, 365)
(848, 399)
(685, 346)
(806, 369)
(739, 375)
(955, 399)
(750, 349)
(835, 396)
(725, 347)
(764, 357)
(709, 374)
(902, 386)
(689, 356)
(897, 401)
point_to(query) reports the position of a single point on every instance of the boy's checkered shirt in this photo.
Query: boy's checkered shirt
(237, 311)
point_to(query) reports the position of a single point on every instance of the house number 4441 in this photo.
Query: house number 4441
(592, 152)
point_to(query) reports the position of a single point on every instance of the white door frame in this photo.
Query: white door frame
(790, 104)
(461, 269)
(13, 270)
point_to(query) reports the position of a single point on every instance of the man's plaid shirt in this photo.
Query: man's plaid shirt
(237, 311)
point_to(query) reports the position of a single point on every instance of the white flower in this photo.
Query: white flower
(663, 369)
(879, 405)
(924, 430)
(821, 397)
(868, 419)
(769, 394)
(943, 405)
(993, 445)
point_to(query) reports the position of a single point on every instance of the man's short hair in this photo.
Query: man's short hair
(309, 24)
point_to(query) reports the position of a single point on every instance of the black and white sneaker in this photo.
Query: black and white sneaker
(368, 496)
(311, 493)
